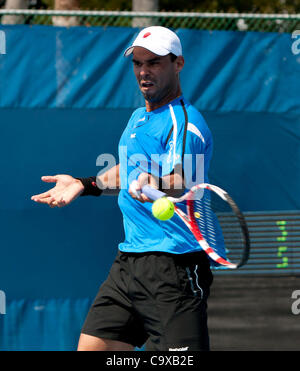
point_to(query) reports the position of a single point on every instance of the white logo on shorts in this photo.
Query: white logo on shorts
(184, 349)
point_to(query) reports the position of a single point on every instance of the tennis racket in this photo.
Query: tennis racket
(214, 220)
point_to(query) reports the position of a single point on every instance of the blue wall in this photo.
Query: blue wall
(65, 97)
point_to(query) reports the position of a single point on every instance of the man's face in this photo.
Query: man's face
(157, 76)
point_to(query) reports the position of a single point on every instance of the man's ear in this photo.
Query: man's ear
(179, 63)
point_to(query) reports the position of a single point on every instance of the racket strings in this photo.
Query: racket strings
(231, 229)
(218, 224)
(206, 219)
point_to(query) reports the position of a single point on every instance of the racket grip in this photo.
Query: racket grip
(152, 193)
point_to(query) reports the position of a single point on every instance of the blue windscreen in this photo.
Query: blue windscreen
(65, 98)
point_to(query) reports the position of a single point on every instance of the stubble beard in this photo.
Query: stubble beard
(159, 95)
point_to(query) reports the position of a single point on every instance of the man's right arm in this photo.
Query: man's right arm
(68, 188)
(107, 183)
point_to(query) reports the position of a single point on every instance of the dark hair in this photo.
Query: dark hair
(173, 57)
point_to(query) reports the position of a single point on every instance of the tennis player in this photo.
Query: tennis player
(157, 289)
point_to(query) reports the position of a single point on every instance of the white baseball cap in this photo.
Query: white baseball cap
(159, 40)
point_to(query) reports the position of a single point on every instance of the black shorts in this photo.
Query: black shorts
(154, 298)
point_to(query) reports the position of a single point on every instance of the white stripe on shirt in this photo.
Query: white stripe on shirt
(174, 133)
(192, 128)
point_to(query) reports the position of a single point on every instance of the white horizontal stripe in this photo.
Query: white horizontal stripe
(147, 14)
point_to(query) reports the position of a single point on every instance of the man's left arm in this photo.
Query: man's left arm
(188, 165)
(171, 184)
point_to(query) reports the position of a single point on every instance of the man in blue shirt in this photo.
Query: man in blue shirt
(157, 288)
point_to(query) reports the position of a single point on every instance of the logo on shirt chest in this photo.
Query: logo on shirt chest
(132, 136)
(171, 155)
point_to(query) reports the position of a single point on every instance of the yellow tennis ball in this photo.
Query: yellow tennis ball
(163, 209)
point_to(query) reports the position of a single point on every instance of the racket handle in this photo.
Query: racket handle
(152, 193)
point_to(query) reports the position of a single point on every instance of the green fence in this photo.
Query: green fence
(206, 21)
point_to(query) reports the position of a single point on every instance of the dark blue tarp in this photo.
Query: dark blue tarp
(84, 68)
(65, 97)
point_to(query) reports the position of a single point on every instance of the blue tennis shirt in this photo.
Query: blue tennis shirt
(155, 142)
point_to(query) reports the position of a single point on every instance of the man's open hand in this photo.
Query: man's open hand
(66, 190)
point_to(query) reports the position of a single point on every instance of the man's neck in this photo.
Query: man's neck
(151, 106)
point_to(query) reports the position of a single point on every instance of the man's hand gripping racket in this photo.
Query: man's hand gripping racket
(214, 220)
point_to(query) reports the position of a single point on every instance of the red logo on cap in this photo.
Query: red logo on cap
(147, 34)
